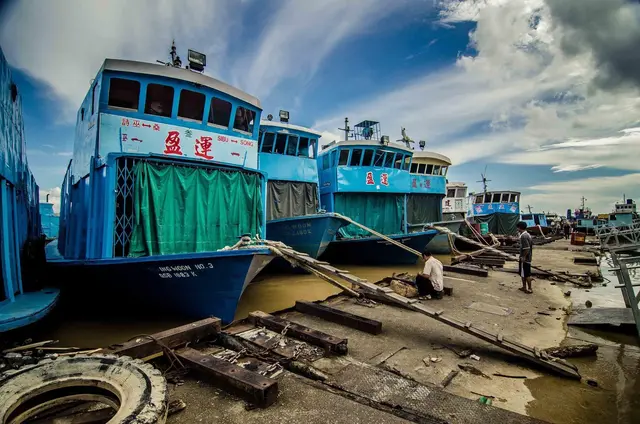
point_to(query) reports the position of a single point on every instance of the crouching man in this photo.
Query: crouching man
(430, 282)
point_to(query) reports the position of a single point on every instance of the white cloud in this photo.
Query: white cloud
(574, 168)
(54, 197)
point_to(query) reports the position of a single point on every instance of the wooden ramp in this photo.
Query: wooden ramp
(529, 353)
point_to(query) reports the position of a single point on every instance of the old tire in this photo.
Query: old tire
(136, 390)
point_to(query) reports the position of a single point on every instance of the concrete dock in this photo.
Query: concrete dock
(396, 376)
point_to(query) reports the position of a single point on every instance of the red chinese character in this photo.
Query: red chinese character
(203, 147)
(414, 183)
(447, 203)
(370, 178)
(136, 123)
(172, 143)
(125, 122)
(384, 179)
(156, 127)
(125, 137)
(427, 183)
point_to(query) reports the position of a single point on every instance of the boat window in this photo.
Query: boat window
(436, 170)
(512, 197)
(527, 217)
(505, 197)
(244, 119)
(312, 147)
(325, 162)
(124, 93)
(451, 192)
(428, 171)
(407, 161)
(480, 199)
(388, 160)
(495, 198)
(443, 171)
(334, 152)
(292, 145)
(344, 157)
(159, 100)
(414, 168)
(281, 144)
(367, 157)
(398, 163)
(421, 168)
(461, 192)
(219, 112)
(515, 198)
(268, 142)
(378, 159)
(303, 147)
(356, 156)
(191, 105)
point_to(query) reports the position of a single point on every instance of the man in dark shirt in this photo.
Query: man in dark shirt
(526, 254)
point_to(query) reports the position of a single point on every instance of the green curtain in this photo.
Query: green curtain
(500, 223)
(424, 208)
(381, 212)
(183, 210)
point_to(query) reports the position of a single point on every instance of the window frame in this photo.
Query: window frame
(137, 108)
(352, 155)
(348, 152)
(273, 144)
(364, 154)
(286, 150)
(213, 124)
(235, 114)
(172, 103)
(204, 105)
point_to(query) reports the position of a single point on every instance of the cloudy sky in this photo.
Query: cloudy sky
(544, 93)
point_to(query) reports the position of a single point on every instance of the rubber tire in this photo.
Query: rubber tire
(140, 388)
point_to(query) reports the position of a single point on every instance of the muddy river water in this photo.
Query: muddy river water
(617, 370)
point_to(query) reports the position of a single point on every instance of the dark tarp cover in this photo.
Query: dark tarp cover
(380, 212)
(424, 208)
(183, 210)
(291, 198)
(500, 223)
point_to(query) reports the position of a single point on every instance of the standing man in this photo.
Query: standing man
(567, 230)
(526, 251)
(430, 282)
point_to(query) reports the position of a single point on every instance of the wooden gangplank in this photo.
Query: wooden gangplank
(532, 354)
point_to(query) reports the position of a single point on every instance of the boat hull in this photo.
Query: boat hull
(193, 286)
(374, 250)
(310, 234)
(27, 308)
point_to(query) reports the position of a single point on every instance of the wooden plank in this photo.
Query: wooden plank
(247, 385)
(142, 346)
(585, 261)
(478, 272)
(309, 335)
(340, 317)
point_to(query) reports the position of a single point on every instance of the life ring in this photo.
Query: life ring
(135, 390)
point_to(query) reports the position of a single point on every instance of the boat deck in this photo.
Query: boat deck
(27, 308)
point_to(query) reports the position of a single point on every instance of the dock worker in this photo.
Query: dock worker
(567, 230)
(526, 255)
(430, 282)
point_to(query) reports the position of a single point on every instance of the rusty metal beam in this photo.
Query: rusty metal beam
(144, 346)
(340, 317)
(330, 343)
(248, 385)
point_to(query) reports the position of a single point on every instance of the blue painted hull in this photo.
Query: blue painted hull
(27, 308)
(309, 234)
(440, 245)
(193, 286)
(375, 251)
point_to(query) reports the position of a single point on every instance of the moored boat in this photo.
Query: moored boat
(164, 178)
(499, 211)
(367, 179)
(536, 223)
(288, 156)
(22, 299)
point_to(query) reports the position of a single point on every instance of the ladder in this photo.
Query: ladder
(532, 354)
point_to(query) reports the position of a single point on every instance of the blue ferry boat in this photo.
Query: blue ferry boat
(499, 210)
(425, 199)
(537, 223)
(164, 178)
(367, 179)
(624, 214)
(288, 157)
(21, 303)
(50, 222)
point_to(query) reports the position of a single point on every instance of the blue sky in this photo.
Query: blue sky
(489, 83)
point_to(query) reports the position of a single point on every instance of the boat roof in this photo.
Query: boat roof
(420, 156)
(364, 143)
(456, 184)
(288, 126)
(119, 65)
(496, 191)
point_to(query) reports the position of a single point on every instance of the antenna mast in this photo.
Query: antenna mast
(583, 200)
(346, 129)
(529, 207)
(484, 180)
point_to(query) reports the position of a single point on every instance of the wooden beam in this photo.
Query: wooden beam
(309, 335)
(478, 272)
(144, 346)
(340, 317)
(585, 261)
(247, 385)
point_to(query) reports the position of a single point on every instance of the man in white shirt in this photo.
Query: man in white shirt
(430, 282)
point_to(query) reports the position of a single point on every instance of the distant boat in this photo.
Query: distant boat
(288, 156)
(164, 179)
(49, 220)
(368, 180)
(537, 223)
(20, 303)
(499, 211)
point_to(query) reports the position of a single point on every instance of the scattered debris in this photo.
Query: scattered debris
(426, 361)
(436, 359)
(588, 304)
(176, 406)
(573, 351)
(485, 400)
(447, 380)
(551, 308)
(543, 313)
(474, 357)
(592, 383)
(567, 293)
(472, 370)
(497, 374)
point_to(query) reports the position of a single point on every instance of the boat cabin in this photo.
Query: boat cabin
(366, 179)
(157, 144)
(428, 188)
(624, 213)
(288, 157)
(456, 203)
(535, 219)
(499, 209)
